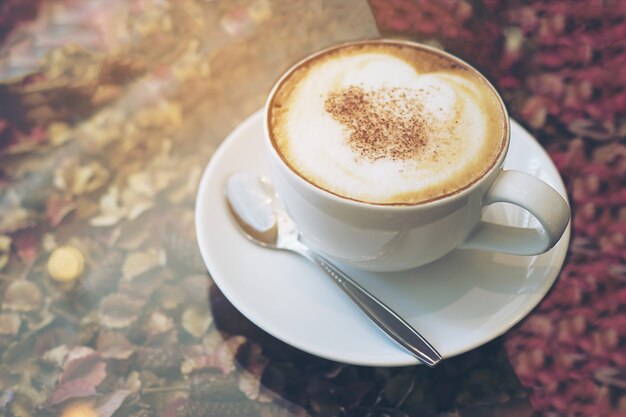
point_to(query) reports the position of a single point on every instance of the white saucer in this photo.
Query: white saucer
(458, 303)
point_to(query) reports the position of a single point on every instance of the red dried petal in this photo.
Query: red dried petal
(77, 388)
(89, 368)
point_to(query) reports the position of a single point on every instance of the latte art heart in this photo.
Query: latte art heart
(387, 124)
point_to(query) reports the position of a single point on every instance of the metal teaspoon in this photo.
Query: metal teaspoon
(264, 222)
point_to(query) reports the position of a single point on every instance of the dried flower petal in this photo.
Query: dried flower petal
(118, 311)
(76, 388)
(113, 345)
(83, 363)
(22, 296)
(196, 319)
(139, 262)
(157, 323)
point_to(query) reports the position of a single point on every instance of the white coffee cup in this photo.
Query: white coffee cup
(394, 237)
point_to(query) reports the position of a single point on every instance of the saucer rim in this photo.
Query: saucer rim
(214, 166)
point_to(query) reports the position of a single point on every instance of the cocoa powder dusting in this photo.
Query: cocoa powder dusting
(382, 123)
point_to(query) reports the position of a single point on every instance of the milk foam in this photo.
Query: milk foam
(454, 129)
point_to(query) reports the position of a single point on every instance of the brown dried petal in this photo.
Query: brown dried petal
(139, 262)
(158, 323)
(118, 311)
(196, 320)
(113, 345)
(22, 296)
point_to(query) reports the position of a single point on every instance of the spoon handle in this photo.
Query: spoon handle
(392, 324)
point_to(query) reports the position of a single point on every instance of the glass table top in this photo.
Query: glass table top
(109, 113)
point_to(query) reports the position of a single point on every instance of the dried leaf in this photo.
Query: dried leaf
(158, 323)
(196, 319)
(22, 296)
(76, 388)
(83, 364)
(118, 310)
(114, 345)
(139, 262)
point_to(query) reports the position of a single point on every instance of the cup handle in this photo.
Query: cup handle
(532, 194)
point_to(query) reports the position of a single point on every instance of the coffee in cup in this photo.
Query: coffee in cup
(387, 123)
